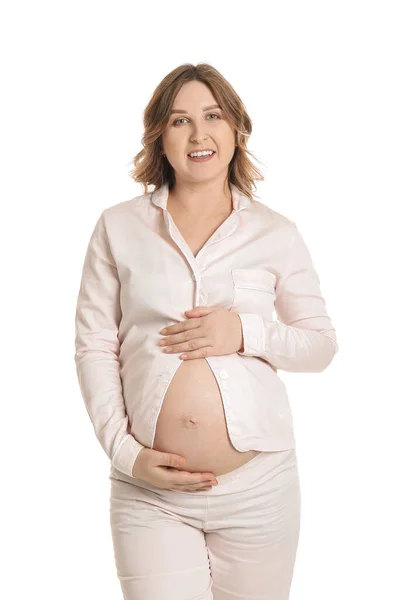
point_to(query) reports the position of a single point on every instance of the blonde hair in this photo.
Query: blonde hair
(152, 168)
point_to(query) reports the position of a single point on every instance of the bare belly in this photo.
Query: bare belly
(192, 422)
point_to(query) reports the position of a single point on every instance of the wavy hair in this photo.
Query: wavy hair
(152, 168)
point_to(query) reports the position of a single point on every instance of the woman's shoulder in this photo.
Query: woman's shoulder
(125, 206)
(274, 218)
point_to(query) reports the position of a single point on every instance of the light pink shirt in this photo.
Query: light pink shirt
(139, 276)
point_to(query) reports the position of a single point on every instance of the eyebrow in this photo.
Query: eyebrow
(185, 111)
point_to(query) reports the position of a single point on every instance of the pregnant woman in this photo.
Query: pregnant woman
(177, 352)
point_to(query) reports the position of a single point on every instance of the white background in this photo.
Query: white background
(326, 86)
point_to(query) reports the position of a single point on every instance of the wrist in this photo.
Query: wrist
(241, 348)
(135, 468)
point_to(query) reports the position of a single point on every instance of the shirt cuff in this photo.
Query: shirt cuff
(253, 334)
(125, 455)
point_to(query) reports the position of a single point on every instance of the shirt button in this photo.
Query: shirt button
(223, 374)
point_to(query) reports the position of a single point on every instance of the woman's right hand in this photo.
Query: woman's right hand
(162, 470)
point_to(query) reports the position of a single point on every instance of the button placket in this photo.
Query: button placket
(196, 279)
(226, 397)
(203, 297)
(180, 242)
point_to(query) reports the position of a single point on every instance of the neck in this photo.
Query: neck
(200, 201)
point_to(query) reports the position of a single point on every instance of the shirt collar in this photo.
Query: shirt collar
(159, 197)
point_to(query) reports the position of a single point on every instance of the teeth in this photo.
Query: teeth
(198, 154)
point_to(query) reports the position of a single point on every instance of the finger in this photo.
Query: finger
(190, 480)
(190, 346)
(202, 310)
(179, 338)
(196, 488)
(177, 327)
(182, 488)
(200, 353)
(201, 476)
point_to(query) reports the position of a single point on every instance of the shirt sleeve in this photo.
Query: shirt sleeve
(303, 338)
(97, 347)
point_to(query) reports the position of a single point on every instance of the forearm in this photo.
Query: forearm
(101, 389)
(302, 338)
(97, 350)
(287, 347)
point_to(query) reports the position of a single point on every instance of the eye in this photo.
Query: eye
(181, 119)
(209, 115)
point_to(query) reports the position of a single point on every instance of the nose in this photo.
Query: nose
(198, 135)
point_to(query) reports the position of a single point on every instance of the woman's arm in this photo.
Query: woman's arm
(97, 320)
(303, 338)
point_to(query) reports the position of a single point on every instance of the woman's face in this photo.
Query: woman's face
(191, 128)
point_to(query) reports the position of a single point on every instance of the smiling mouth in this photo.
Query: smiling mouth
(201, 158)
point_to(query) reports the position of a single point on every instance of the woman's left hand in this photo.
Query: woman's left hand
(208, 331)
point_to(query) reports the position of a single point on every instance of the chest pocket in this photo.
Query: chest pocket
(254, 292)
